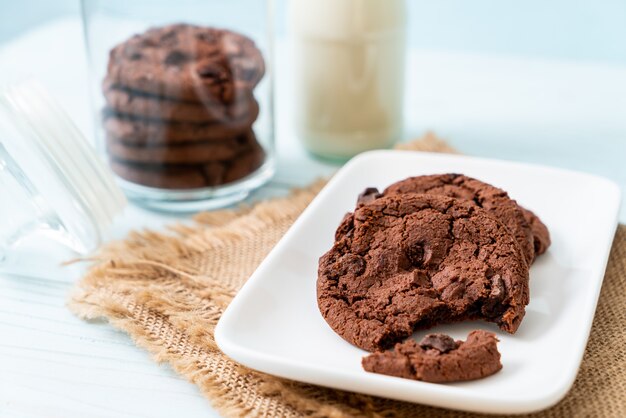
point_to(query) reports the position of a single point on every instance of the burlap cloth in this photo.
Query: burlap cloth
(167, 291)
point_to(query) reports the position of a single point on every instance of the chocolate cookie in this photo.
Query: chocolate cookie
(410, 261)
(137, 131)
(438, 358)
(170, 177)
(191, 153)
(245, 164)
(496, 201)
(187, 62)
(190, 176)
(541, 235)
(133, 103)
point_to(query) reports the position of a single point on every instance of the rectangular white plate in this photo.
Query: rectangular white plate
(273, 325)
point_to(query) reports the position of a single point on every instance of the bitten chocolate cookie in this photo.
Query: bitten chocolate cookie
(187, 62)
(141, 105)
(140, 132)
(541, 235)
(410, 261)
(496, 201)
(439, 359)
(190, 153)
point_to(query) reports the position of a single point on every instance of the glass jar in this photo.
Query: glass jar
(55, 188)
(182, 96)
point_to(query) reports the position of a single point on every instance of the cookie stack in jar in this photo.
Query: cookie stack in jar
(180, 107)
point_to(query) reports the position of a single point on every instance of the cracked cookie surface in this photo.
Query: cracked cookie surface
(410, 261)
(439, 359)
(188, 62)
(494, 200)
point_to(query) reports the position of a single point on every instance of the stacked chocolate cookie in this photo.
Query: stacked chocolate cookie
(180, 107)
(428, 250)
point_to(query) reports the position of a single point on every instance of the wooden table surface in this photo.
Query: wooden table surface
(55, 365)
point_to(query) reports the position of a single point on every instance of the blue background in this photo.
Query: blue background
(562, 29)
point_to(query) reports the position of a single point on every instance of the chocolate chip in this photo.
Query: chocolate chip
(211, 70)
(353, 263)
(389, 262)
(176, 58)
(208, 72)
(489, 272)
(133, 53)
(368, 196)
(415, 254)
(493, 305)
(440, 342)
(135, 56)
(147, 43)
(207, 36)
(497, 288)
(247, 69)
(168, 36)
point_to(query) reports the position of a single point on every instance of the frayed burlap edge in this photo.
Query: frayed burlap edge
(168, 290)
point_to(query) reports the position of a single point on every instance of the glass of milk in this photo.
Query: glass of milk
(349, 64)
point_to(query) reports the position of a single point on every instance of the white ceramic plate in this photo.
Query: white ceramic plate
(273, 325)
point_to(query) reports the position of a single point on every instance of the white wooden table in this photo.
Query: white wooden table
(55, 365)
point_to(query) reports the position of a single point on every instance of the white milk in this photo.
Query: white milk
(349, 59)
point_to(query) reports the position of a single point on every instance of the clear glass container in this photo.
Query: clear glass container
(183, 98)
(348, 74)
(55, 189)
